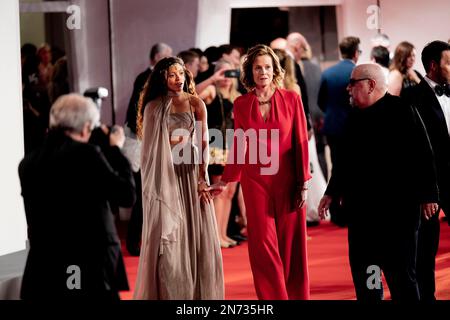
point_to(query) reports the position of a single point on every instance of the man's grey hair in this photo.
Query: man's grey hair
(158, 48)
(72, 111)
(295, 38)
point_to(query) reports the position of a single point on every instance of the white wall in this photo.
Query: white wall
(416, 21)
(12, 216)
(281, 3)
(214, 23)
(136, 26)
(91, 57)
(352, 21)
(422, 22)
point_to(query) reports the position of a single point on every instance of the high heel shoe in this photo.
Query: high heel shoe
(231, 241)
(226, 245)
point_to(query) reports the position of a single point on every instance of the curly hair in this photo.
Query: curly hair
(156, 86)
(247, 67)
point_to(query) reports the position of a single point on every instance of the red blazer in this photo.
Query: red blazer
(286, 115)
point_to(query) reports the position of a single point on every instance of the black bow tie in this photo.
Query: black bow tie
(442, 89)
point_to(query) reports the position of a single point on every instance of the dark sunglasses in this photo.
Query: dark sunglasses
(353, 81)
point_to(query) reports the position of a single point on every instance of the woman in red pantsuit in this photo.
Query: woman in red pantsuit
(274, 192)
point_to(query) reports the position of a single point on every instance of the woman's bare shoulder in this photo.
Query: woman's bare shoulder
(196, 102)
(395, 74)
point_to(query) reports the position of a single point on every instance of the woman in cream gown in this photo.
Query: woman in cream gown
(180, 252)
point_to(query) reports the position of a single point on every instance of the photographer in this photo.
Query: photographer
(67, 185)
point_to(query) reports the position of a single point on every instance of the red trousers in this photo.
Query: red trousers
(277, 244)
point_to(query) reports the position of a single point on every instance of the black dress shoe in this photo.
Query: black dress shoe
(238, 238)
(338, 221)
(312, 223)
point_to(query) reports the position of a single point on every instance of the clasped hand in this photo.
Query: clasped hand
(208, 192)
(324, 206)
(217, 188)
(203, 191)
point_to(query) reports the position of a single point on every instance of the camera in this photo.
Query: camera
(235, 73)
(98, 136)
(97, 94)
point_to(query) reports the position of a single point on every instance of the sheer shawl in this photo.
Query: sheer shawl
(160, 200)
(158, 174)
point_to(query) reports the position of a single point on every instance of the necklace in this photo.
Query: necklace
(268, 101)
(264, 102)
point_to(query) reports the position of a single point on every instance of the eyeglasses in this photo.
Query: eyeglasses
(352, 81)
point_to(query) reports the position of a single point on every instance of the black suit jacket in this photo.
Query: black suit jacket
(385, 167)
(304, 92)
(423, 98)
(67, 187)
(139, 83)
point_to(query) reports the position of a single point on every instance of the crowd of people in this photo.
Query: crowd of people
(390, 170)
(225, 147)
(44, 79)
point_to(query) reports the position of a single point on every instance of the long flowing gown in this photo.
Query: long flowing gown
(180, 252)
(317, 184)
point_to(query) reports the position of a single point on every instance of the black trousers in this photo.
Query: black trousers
(428, 245)
(337, 213)
(386, 247)
(135, 224)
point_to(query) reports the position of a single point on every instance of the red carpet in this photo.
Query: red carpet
(329, 269)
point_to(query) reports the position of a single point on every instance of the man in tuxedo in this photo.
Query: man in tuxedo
(295, 47)
(333, 100)
(157, 52)
(67, 187)
(191, 60)
(384, 177)
(431, 97)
